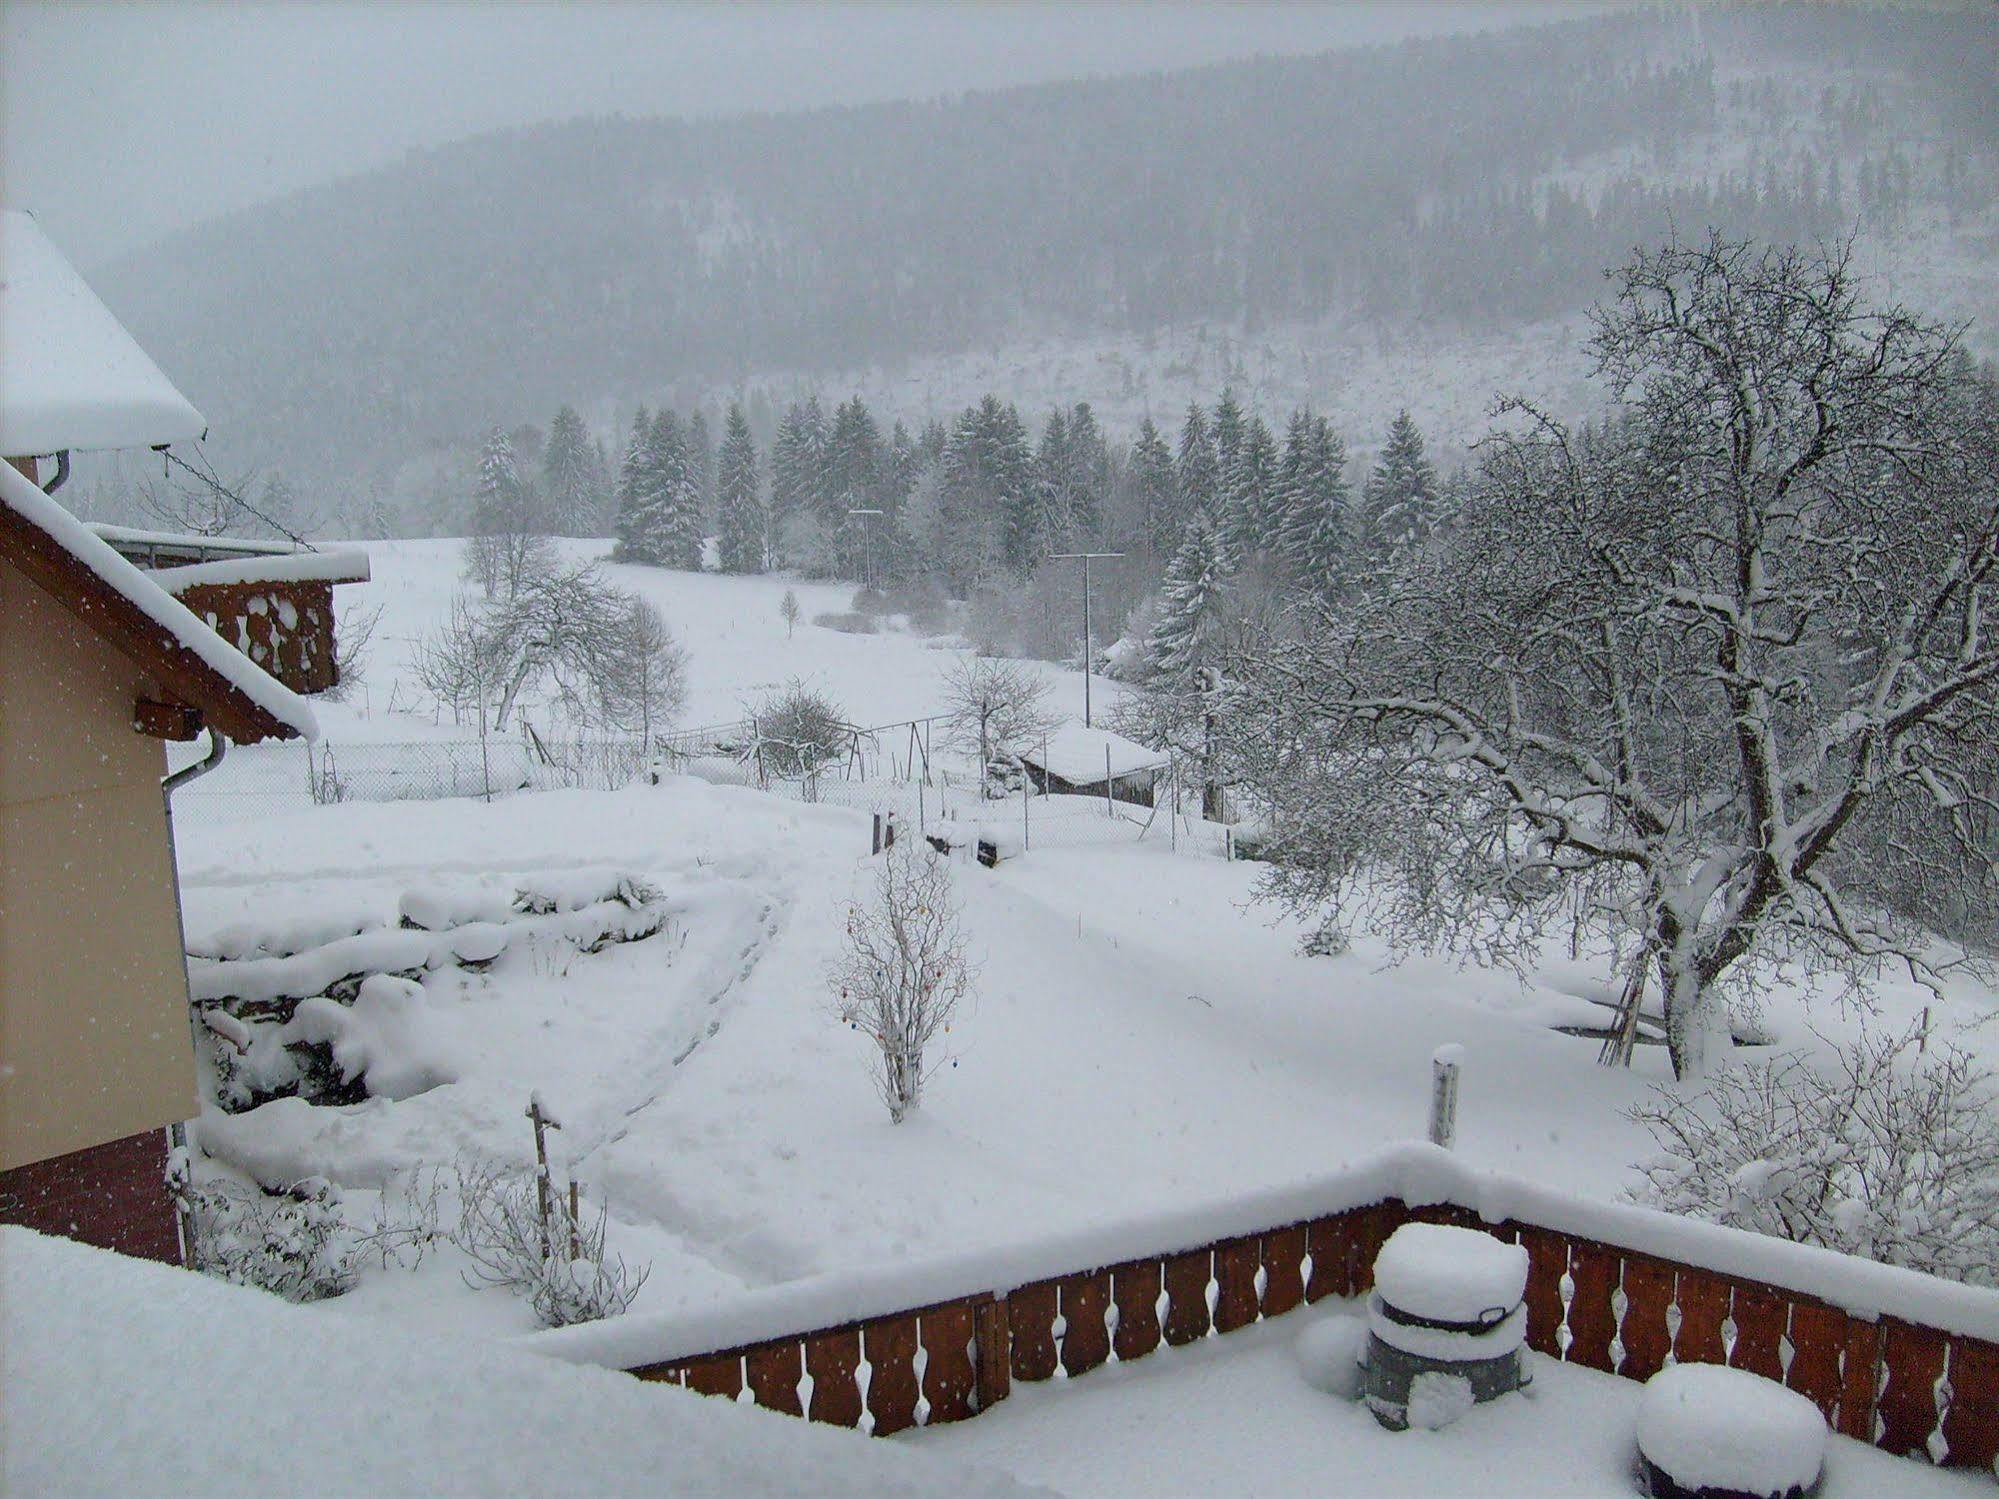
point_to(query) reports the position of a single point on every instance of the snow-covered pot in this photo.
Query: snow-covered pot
(1706, 1432)
(1445, 1324)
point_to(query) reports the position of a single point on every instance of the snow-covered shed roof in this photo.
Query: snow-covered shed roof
(192, 664)
(125, 1377)
(70, 375)
(1076, 754)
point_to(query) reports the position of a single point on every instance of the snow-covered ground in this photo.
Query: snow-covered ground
(1142, 1038)
(1234, 1416)
(124, 1378)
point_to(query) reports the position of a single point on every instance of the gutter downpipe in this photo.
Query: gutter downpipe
(61, 475)
(169, 784)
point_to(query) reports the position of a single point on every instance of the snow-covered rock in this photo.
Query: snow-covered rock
(1707, 1427)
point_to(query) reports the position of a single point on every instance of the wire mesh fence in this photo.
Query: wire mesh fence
(890, 771)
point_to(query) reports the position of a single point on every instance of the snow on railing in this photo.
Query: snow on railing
(1892, 1357)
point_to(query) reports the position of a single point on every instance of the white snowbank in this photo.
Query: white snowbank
(1328, 1353)
(1079, 755)
(1450, 1274)
(1711, 1427)
(125, 1377)
(70, 375)
(164, 610)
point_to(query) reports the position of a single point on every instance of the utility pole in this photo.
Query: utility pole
(1086, 558)
(867, 544)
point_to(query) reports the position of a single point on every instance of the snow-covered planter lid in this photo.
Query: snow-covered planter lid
(1455, 1276)
(1708, 1427)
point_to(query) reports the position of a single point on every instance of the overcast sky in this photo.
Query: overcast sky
(123, 122)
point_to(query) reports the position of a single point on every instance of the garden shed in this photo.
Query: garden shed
(1076, 759)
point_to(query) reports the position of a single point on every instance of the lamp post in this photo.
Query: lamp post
(1086, 558)
(867, 545)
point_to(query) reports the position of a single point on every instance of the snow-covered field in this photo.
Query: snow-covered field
(1143, 1035)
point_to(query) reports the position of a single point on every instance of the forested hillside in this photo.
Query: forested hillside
(1478, 182)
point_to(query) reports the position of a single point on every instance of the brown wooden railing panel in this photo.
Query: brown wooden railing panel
(889, 1345)
(1282, 1252)
(1759, 1314)
(1971, 1430)
(950, 1370)
(1235, 1283)
(1912, 1361)
(774, 1371)
(1647, 1339)
(993, 1337)
(1135, 1289)
(1328, 1241)
(1086, 1337)
(1187, 1277)
(1593, 1273)
(1703, 1303)
(1031, 1313)
(832, 1358)
(722, 1375)
(1547, 1268)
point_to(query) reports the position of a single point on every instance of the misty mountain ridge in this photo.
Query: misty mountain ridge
(1412, 225)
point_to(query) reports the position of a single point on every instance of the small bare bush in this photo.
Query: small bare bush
(559, 1263)
(291, 1242)
(797, 731)
(1890, 1154)
(903, 971)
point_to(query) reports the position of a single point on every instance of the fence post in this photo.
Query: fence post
(1444, 1066)
(1109, 811)
(1025, 835)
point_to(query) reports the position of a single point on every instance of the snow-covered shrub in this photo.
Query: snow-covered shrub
(291, 1242)
(1892, 1155)
(903, 971)
(846, 621)
(797, 731)
(385, 1040)
(557, 1259)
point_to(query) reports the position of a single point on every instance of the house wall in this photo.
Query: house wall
(94, 1039)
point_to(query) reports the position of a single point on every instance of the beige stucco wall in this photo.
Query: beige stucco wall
(94, 1041)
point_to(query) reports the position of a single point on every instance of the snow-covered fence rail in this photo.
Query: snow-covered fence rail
(1904, 1361)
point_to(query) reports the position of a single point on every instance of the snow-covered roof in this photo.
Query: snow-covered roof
(345, 565)
(70, 375)
(238, 697)
(1076, 754)
(132, 538)
(125, 1377)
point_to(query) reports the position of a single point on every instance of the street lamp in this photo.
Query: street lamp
(867, 548)
(1086, 558)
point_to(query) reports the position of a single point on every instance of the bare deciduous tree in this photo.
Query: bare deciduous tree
(993, 705)
(798, 730)
(1655, 674)
(787, 610)
(904, 971)
(641, 678)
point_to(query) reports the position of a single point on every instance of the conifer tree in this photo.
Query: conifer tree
(1042, 526)
(636, 495)
(742, 523)
(1197, 473)
(1250, 492)
(675, 518)
(569, 476)
(701, 454)
(1153, 491)
(1089, 472)
(1399, 505)
(797, 456)
(1230, 429)
(1186, 637)
(1313, 532)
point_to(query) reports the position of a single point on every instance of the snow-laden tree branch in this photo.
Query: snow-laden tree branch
(1718, 674)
